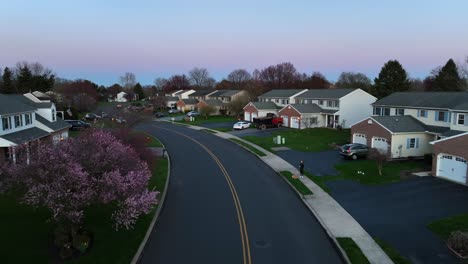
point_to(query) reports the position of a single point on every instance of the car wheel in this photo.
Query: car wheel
(354, 156)
(263, 127)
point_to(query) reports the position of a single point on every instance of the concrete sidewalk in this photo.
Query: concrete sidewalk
(334, 218)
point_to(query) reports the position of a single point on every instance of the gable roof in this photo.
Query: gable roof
(10, 105)
(28, 101)
(441, 100)
(264, 105)
(281, 93)
(307, 108)
(40, 95)
(200, 93)
(171, 98)
(189, 101)
(325, 93)
(59, 124)
(400, 124)
(213, 102)
(462, 134)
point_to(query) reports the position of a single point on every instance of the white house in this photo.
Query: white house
(121, 97)
(281, 97)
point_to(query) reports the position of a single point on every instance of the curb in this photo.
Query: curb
(142, 246)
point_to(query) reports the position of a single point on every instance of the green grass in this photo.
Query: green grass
(308, 140)
(222, 129)
(445, 226)
(211, 119)
(26, 232)
(251, 148)
(73, 133)
(209, 131)
(300, 187)
(353, 252)
(152, 141)
(392, 252)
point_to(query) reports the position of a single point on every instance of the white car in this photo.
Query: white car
(241, 125)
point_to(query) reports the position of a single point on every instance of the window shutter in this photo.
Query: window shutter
(417, 143)
(447, 116)
(419, 113)
(465, 120)
(407, 143)
(436, 115)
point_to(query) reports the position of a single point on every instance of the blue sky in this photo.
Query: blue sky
(101, 40)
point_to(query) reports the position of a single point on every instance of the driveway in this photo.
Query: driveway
(198, 223)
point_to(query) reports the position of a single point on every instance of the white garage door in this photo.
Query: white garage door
(451, 167)
(247, 116)
(380, 143)
(285, 120)
(360, 138)
(294, 122)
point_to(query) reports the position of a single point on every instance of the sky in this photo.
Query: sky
(100, 40)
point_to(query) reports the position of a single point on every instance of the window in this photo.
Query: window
(377, 111)
(277, 101)
(381, 111)
(399, 111)
(386, 111)
(283, 101)
(329, 103)
(18, 121)
(412, 143)
(441, 116)
(461, 119)
(54, 115)
(27, 119)
(6, 121)
(287, 101)
(320, 102)
(422, 113)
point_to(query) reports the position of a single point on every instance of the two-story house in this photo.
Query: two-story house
(27, 118)
(281, 97)
(327, 108)
(183, 94)
(201, 94)
(404, 123)
(227, 96)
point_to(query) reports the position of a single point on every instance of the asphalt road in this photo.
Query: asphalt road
(199, 222)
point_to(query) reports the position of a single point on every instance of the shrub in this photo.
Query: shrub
(458, 241)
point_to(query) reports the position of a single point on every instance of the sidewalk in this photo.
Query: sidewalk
(334, 218)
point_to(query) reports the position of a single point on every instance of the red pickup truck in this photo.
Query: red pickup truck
(271, 120)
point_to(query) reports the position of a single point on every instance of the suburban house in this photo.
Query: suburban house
(405, 122)
(201, 94)
(281, 97)
(25, 119)
(121, 97)
(327, 108)
(186, 104)
(171, 101)
(217, 104)
(226, 96)
(449, 158)
(259, 109)
(183, 94)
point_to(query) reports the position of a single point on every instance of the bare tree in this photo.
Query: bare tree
(280, 76)
(159, 102)
(159, 83)
(379, 157)
(198, 77)
(237, 105)
(353, 80)
(238, 78)
(309, 122)
(206, 110)
(128, 80)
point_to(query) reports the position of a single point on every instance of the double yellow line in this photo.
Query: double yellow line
(240, 215)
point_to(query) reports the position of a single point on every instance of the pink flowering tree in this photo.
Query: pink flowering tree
(69, 177)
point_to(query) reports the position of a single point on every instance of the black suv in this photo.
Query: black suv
(354, 150)
(78, 124)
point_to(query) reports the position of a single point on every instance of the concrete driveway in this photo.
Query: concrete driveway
(398, 213)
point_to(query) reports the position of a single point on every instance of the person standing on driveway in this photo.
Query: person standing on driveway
(301, 168)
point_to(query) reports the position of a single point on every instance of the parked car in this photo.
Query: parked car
(193, 113)
(173, 111)
(354, 150)
(91, 116)
(241, 125)
(120, 120)
(78, 124)
(104, 115)
(159, 114)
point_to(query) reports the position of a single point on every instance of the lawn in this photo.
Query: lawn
(26, 233)
(223, 129)
(308, 140)
(251, 148)
(353, 252)
(445, 226)
(300, 187)
(392, 252)
(211, 119)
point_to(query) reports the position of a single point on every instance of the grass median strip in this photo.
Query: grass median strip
(445, 226)
(352, 250)
(251, 148)
(300, 187)
(209, 131)
(392, 252)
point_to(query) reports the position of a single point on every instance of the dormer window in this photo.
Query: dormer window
(18, 121)
(27, 119)
(54, 117)
(6, 121)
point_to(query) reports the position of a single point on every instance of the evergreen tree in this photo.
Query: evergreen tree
(392, 78)
(139, 91)
(7, 86)
(448, 78)
(24, 79)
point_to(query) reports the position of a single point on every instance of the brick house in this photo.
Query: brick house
(450, 156)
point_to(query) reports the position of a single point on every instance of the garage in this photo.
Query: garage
(380, 143)
(285, 120)
(254, 115)
(294, 122)
(247, 116)
(360, 138)
(451, 167)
